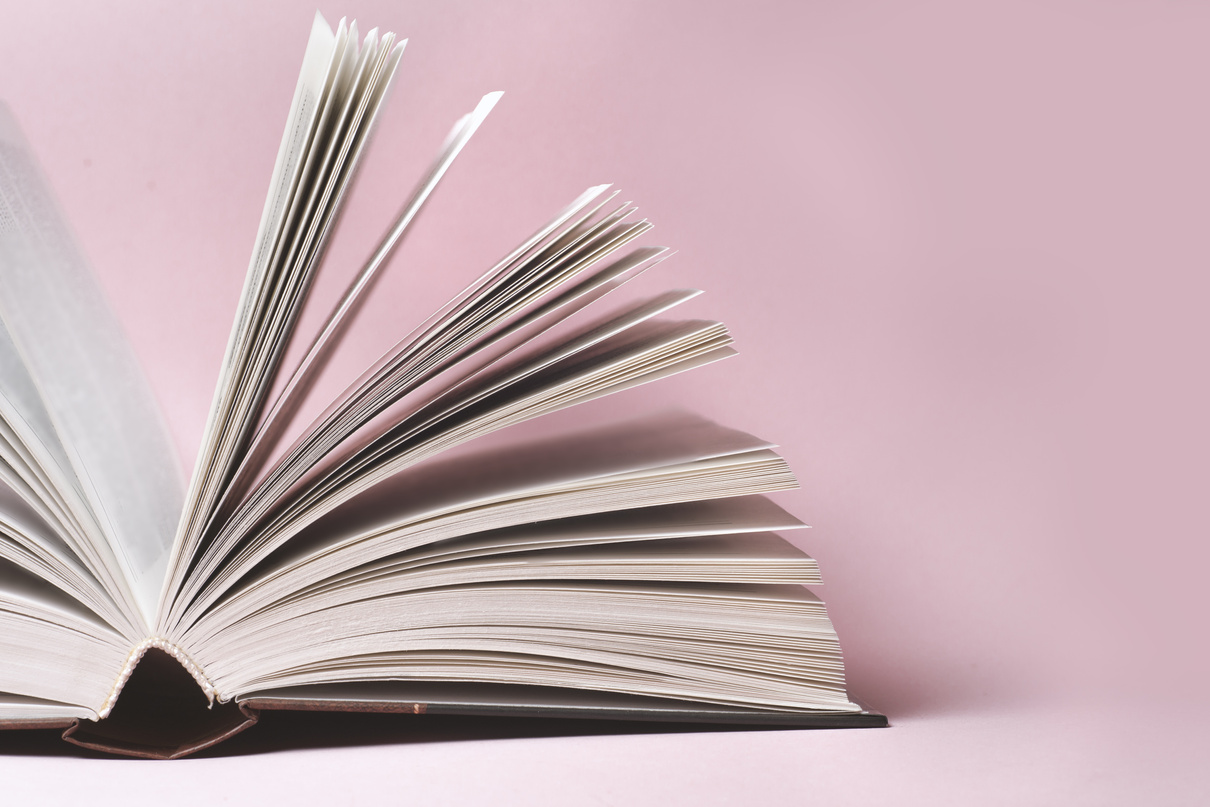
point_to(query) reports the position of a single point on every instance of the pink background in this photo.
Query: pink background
(962, 247)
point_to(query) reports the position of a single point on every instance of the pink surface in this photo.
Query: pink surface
(963, 250)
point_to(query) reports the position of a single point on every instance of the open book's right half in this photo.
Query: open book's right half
(436, 538)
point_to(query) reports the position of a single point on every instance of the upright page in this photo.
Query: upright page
(96, 396)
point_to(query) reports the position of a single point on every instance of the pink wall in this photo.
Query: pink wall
(963, 250)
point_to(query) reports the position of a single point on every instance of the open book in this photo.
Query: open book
(435, 538)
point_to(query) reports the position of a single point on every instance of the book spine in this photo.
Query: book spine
(136, 655)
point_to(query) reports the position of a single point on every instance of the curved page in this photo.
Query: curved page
(92, 387)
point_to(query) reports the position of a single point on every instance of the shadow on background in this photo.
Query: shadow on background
(904, 687)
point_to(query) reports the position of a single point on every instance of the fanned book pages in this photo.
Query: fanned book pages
(435, 538)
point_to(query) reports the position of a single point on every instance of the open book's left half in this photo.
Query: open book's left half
(431, 539)
(90, 489)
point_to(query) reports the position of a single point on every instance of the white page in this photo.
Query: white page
(397, 370)
(22, 707)
(33, 451)
(93, 389)
(752, 514)
(477, 490)
(336, 103)
(711, 643)
(280, 417)
(304, 109)
(27, 541)
(760, 558)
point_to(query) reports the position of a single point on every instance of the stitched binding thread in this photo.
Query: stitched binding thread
(136, 655)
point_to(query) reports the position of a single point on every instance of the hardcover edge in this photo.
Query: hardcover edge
(866, 718)
(80, 732)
